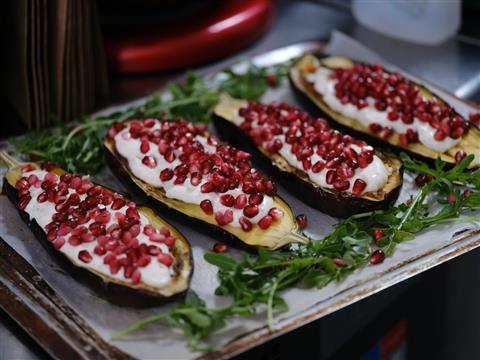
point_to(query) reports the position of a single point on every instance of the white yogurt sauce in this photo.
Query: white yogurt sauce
(375, 174)
(129, 148)
(325, 86)
(154, 274)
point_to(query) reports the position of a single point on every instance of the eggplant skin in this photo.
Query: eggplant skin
(337, 204)
(208, 229)
(306, 98)
(112, 292)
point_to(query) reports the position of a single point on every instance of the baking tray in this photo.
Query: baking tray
(69, 320)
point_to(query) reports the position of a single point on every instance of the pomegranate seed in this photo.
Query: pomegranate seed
(165, 259)
(207, 207)
(195, 179)
(245, 224)
(301, 221)
(220, 248)
(23, 202)
(58, 243)
(42, 197)
(169, 241)
(149, 161)
(143, 260)
(467, 193)
(358, 187)
(275, 213)
(422, 179)
(227, 200)
(375, 128)
(403, 139)
(377, 257)
(74, 240)
(153, 250)
(318, 166)
(240, 201)
(224, 218)
(136, 277)
(377, 234)
(114, 267)
(439, 135)
(255, 199)
(250, 211)
(108, 258)
(118, 204)
(341, 185)
(459, 155)
(32, 179)
(144, 146)
(207, 187)
(156, 237)
(451, 198)
(84, 256)
(99, 250)
(166, 174)
(339, 262)
(265, 222)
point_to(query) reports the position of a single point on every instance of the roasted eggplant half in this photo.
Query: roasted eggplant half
(326, 169)
(124, 252)
(184, 170)
(372, 102)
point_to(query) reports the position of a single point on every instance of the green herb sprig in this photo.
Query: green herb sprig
(79, 148)
(258, 279)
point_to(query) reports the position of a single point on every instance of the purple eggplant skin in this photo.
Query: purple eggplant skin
(114, 293)
(337, 204)
(205, 228)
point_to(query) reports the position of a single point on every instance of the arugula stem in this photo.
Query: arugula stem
(138, 325)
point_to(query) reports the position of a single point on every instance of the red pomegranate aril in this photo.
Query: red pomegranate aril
(439, 135)
(109, 258)
(165, 259)
(377, 257)
(341, 185)
(250, 211)
(148, 229)
(153, 250)
(206, 206)
(144, 146)
(451, 198)
(32, 179)
(156, 237)
(227, 200)
(88, 237)
(265, 222)
(301, 221)
(358, 186)
(133, 213)
(467, 193)
(74, 240)
(114, 267)
(330, 177)
(207, 187)
(255, 199)
(422, 179)
(403, 139)
(118, 204)
(24, 200)
(240, 201)
(245, 224)
(143, 260)
(149, 161)
(99, 250)
(339, 262)
(58, 243)
(64, 230)
(219, 247)
(377, 234)
(195, 179)
(42, 197)
(275, 213)
(85, 256)
(166, 174)
(459, 155)
(169, 241)
(128, 271)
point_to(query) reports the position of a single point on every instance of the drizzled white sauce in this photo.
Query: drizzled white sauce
(375, 174)
(129, 148)
(325, 86)
(154, 274)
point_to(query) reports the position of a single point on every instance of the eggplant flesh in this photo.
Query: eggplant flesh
(335, 203)
(109, 288)
(470, 143)
(279, 234)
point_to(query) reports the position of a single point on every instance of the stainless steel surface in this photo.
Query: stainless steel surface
(451, 65)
